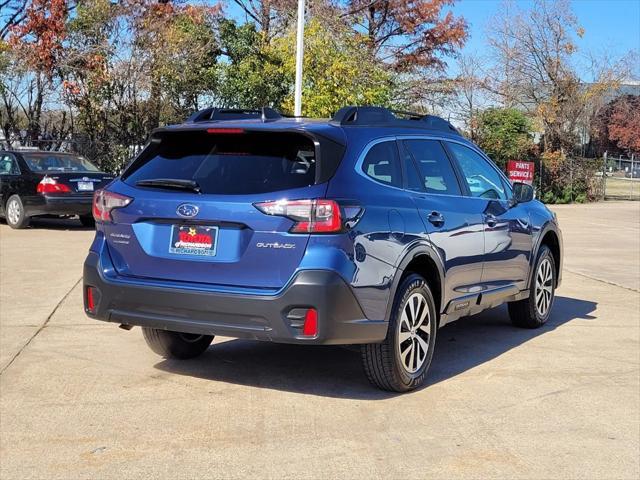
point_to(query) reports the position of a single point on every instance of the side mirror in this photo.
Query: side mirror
(522, 192)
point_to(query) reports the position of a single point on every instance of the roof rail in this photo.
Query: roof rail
(380, 116)
(214, 114)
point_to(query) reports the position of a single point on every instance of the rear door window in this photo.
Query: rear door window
(229, 163)
(381, 164)
(8, 165)
(436, 172)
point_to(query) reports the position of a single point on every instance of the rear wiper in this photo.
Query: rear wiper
(174, 183)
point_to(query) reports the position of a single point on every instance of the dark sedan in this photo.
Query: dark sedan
(35, 183)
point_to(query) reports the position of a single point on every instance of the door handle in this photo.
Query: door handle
(436, 218)
(491, 220)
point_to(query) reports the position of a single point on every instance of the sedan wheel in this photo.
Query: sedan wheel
(15, 214)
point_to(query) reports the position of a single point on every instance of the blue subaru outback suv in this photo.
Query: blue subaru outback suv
(372, 228)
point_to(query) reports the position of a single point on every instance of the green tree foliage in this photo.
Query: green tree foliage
(339, 70)
(504, 133)
(251, 74)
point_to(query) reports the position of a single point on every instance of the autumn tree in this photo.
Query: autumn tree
(618, 125)
(408, 34)
(12, 13)
(535, 53)
(36, 47)
(468, 93)
(270, 17)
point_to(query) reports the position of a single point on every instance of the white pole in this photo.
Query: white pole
(299, 56)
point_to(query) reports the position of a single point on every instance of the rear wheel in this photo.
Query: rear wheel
(176, 344)
(534, 311)
(87, 221)
(400, 363)
(15, 214)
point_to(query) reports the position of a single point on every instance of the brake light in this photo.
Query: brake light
(311, 216)
(223, 131)
(104, 202)
(50, 185)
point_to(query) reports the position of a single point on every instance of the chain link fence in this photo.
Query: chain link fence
(621, 178)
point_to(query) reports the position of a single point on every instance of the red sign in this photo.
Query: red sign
(520, 171)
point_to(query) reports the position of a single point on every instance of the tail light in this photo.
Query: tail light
(50, 185)
(311, 216)
(104, 202)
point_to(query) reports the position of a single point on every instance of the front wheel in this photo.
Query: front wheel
(400, 363)
(176, 344)
(534, 311)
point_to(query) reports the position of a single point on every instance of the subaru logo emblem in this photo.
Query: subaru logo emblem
(187, 210)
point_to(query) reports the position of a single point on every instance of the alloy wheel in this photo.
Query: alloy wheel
(544, 287)
(413, 333)
(13, 212)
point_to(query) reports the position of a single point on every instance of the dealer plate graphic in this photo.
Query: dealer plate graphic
(194, 240)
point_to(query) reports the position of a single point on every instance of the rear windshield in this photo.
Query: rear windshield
(52, 162)
(229, 163)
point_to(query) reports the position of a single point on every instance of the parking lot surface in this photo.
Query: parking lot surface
(84, 399)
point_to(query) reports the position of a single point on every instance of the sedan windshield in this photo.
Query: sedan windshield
(56, 162)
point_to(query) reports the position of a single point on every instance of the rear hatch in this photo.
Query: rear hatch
(192, 218)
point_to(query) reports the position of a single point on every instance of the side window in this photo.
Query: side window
(436, 172)
(382, 164)
(481, 177)
(8, 165)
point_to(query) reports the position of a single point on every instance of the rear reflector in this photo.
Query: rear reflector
(310, 327)
(91, 302)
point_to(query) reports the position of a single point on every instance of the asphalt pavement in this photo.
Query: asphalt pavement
(84, 399)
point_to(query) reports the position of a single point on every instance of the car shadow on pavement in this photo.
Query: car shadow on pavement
(337, 371)
(58, 224)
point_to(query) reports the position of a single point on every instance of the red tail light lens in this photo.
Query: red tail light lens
(50, 185)
(104, 202)
(311, 216)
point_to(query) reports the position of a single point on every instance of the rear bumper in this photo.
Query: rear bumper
(59, 205)
(259, 317)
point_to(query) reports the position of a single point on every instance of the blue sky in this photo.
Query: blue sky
(610, 25)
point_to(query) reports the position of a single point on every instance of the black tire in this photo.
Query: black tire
(383, 363)
(528, 313)
(175, 344)
(87, 221)
(20, 219)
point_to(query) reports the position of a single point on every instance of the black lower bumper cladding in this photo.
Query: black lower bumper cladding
(260, 317)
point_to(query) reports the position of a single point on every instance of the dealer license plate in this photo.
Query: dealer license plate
(194, 240)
